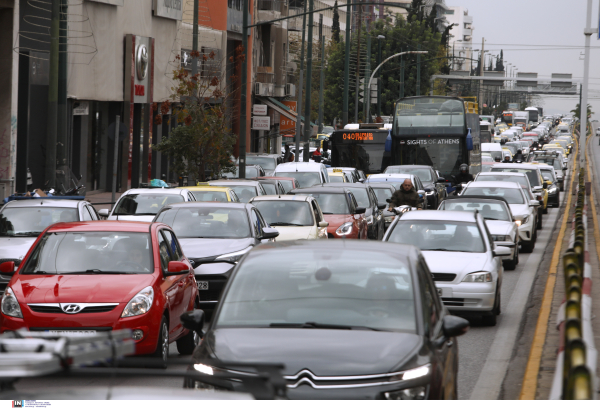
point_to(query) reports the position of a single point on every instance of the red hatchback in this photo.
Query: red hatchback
(100, 276)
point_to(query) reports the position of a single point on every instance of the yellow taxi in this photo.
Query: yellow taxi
(554, 147)
(213, 193)
(337, 176)
(564, 144)
(543, 192)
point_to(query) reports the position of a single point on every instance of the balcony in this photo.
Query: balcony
(295, 24)
(270, 10)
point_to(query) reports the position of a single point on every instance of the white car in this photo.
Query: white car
(464, 262)
(524, 210)
(308, 174)
(294, 216)
(142, 204)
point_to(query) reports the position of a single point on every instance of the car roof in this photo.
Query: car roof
(495, 173)
(174, 191)
(382, 185)
(494, 184)
(235, 182)
(298, 166)
(129, 226)
(347, 185)
(282, 197)
(409, 166)
(392, 177)
(476, 197)
(275, 178)
(42, 202)
(511, 166)
(209, 188)
(465, 216)
(197, 204)
(321, 189)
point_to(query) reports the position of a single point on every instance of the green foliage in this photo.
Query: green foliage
(577, 111)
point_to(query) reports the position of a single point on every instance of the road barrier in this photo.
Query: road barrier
(574, 378)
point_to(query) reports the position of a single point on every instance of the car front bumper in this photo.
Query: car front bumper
(468, 296)
(526, 231)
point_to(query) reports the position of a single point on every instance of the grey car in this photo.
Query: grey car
(461, 255)
(22, 221)
(433, 184)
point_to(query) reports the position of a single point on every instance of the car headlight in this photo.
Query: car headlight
(10, 305)
(480, 277)
(415, 393)
(522, 221)
(140, 303)
(552, 190)
(500, 238)
(344, 229)
(234, 256)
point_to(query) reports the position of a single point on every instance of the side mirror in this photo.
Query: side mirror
(103, 212)
(501, 251)
(177, 268)
(565, 168)
(534, 203)
(428, 190)
(323, 224)
(421, 192)
(382, 206)
(194, 321)
(360, 210)
(269, 233)
(441, 180)
(453, 326)
(388, 200)
(7, 268)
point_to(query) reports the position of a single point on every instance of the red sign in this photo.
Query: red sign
(139, 90)
(287, 127)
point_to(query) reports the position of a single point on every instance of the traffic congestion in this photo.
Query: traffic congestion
(357, 280)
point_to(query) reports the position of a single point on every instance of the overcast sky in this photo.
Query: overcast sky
(543, 36)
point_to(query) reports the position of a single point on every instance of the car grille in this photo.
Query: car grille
(443, 277)
(453, 301)
(57, 309)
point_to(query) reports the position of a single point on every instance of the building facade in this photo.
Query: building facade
(461, 38)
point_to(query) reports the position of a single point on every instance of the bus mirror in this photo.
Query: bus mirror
(325, 145)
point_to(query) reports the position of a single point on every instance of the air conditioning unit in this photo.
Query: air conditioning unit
(261, 89)
(290, 90)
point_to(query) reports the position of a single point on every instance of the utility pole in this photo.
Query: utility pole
(367, 99)
(401, 75)
(322, 76)
(61, 124)
(347, 67)
(298, 134)
(481, 74)
(586, 76)
(307, 127)
(195, 40)
(359, 23)
(419, 71)
(50, 165)
(379, 76)
(244, 90)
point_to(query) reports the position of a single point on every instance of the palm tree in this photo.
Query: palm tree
(577, 111)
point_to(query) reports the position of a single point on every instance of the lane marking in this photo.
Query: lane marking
(529, 387)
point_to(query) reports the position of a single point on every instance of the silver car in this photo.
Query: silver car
(498, 218)
(464, 261)
(142, 204)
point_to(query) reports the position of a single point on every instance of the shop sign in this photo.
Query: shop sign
(81, 108)
(172, 9)
(259, 110)
(261, 123)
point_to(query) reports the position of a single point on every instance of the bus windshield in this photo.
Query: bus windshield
(429, 116)
(443, 154)
(362, 149)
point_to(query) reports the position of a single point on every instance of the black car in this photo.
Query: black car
(434, 185)
(346, 319)
(366, 197)
(214, 237)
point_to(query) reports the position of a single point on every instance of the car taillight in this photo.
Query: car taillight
(539, 197)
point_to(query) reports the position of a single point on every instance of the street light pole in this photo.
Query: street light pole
(244, 90)
(307, 127)
(584, 95)
(386, 60)
(298, 134)
(379, 38)
(346, 68)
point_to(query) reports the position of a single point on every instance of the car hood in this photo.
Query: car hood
(140, 218)
(323, 352)
(499, 227)
(79, 288)
(519, 210)
(293, 233)
(454, 262)
(15, 247)
(205, 247)
(335, 220)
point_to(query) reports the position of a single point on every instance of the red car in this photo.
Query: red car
(104, 275)
(340, 209)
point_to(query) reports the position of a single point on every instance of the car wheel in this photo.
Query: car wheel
(491, 318)
(512, 264)
(545, 210)
(539, 223)
(528, 246)
(187, 344)
(162, 345)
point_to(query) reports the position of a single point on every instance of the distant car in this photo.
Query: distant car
(397, 179)
(272, 186)
(22, 221)
(551, 183)
(214, 237)
(337, 176)
(347, 320)
(244, 189)
(268, 162)
(464, 262)
(308, 174)
(252, 171)
(538, 188)
(294, 216)
(352, 173)
(288, 183)
(89, 276)
(434, 186)
(384, 191)
(553, 159)
(213, 193)
(340, 209)
(142, 204)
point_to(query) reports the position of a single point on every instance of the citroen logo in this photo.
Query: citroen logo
(141, 61)
(71, 308)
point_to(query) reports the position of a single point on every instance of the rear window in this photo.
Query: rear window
(305, 179)
(511, 195)
(532, 174)
(331, 203)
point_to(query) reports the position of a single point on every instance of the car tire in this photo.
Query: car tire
(545, 210)
(528, 246)
(511, 265)
(539, 222)
(491, 318)
(162, 345)
(187, 344)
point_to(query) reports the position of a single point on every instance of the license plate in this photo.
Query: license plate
(78, 332)
(202, 285)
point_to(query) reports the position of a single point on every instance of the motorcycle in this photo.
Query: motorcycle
(389, 214)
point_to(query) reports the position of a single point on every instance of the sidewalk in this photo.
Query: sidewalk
(103, 197)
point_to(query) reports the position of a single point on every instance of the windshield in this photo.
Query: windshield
(145, 204)
(341, 289)
(207, 222)
(267, 163)
(330, 203)
(511, 195)
(522, 181)
(443, 154)
(269, 188)
(556, 163)
(244, 193)
(251, 172)
(532, 175)
(434, 235)
(429, 115)
(336, 178)
(285, 213)
(31, 221)
(368, 157)
(304, 179)
(105, 252)
(220, 196)
(489, 210)
(362, 197)
(288, 185)
(382, 194)
(423, 174)
(549, 173)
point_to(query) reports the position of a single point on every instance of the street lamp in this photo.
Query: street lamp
(379, 38)
(379, 66)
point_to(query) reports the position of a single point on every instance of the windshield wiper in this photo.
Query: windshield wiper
(27, 234)
(99, 272)
(286, 224)
(314, 325)
(326, 212)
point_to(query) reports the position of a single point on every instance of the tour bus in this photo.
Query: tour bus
(534, 115)
(507, 117)
(367, 147)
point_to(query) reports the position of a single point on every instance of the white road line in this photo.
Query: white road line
(495, 366)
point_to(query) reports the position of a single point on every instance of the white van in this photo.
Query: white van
(518, 129)
(306, 173)
(495, 149)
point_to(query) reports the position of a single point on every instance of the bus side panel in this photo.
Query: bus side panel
(475, 154)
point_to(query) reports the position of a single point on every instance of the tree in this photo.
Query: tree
(335, 27)
(577, 111)
(415, 11)
(203, 144)
(500, 62)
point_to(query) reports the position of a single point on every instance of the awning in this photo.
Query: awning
(281, 108)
